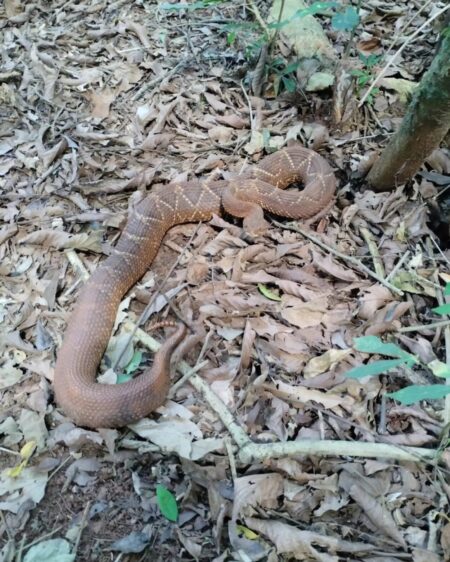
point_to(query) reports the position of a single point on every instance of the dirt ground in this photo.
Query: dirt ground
(100, 102)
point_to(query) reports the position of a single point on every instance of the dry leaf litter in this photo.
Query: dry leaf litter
(99, 102)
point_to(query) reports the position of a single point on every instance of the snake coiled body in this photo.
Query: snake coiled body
(92, 404)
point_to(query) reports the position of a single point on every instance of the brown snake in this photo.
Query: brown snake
(92, 404)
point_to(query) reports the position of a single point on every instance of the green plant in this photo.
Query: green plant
(343, 18)
(167, 503)
(364, 76)
(284, 75)
(444, 309)
(400, 358)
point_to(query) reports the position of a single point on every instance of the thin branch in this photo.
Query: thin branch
(424, 327)
(238, 434)
(395, 55)
(259, 452)
(354, 261)
(398, 265)
(249, 452)
(257, 14)
(373, 249)
(157, 80)
(277, 29)
(82, 526)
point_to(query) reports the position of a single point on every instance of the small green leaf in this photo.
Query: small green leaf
(447, 290)
(134, 363)
(167, 503)
(416, 393)
(345, 20)
(265, 137)
(292, 67)
(369, 61)
(442, 310)
(373, 344)
(248, 533)
(375, 368)
(289, 84)
(231, 38)
(123, 377)
(439, 369)
(268, 293)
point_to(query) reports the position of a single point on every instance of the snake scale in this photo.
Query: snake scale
(92, 404)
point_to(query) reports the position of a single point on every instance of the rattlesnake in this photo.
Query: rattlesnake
(92, 404)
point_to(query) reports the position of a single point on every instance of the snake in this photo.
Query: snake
(262, 187)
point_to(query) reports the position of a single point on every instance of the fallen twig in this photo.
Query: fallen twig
(395, 55)
(398, 265)
(248, 451)
(258, 452)
(356, 262)
(158, 79)
(373, 249)
(423, 327)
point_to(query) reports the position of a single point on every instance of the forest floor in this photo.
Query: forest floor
(99, 103)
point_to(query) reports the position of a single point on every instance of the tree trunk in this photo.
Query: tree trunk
(425, 124)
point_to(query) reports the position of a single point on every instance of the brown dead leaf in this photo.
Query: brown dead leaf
(194, 549)
(291, 362)
(267, 326)
(325, 362)
(64, 240)
(289, 341)
(248, 340)
(214, 102)
(303, 314)
(101, 102)
(224, 388)
(330, 267)
(299, 544)
(7, 232)
(372, 299)
(256, 490)
(445, 540)
(145, 114)
(368, 45)
(288, 286)
(301, 395)
(220, 134)
(232, 120)
(157, 140)
(164, 111)
(198, 271)
(137, 28)
(114, 185)
(223, 240)
(422, 555)
(375, 510)
(212, 162)
(82, 77)
(12, 8)
(383, 319)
